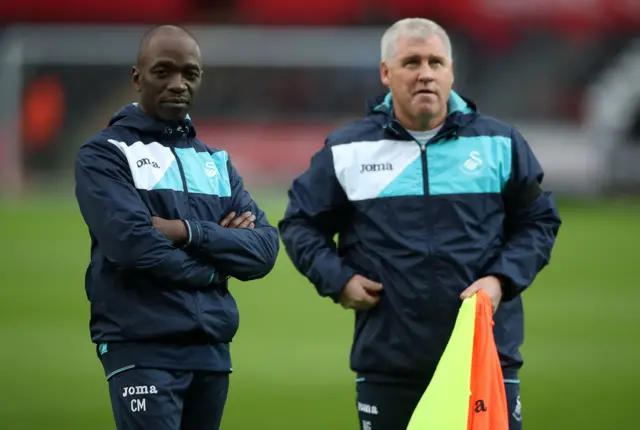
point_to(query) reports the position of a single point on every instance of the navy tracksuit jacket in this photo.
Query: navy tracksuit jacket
(154, 305)
(426, 222)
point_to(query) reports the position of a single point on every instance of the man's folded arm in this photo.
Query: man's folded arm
(122, 224)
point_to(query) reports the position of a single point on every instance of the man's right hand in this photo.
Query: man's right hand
(360, 293)
(245, 220)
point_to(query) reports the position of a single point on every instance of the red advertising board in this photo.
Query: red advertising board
(95, 11)
(571, 15)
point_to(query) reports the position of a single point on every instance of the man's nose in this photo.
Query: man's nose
(177, 84)
(425, 73)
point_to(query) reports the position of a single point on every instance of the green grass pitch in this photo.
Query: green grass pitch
(582, 346)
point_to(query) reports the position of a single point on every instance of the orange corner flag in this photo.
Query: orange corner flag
(467, 390)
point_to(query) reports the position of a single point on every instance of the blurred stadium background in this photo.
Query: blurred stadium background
(279, 75)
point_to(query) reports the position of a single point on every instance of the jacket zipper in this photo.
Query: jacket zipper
(425, 171)
(423, 150)
(442, 134)
(425, 168)
(423, 153)
(432, 277)
(196, 297)
(184, 179)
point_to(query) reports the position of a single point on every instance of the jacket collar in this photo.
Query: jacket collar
(132, 117)
(460, 110)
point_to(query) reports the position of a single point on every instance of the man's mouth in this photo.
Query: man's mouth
(425, 91)
(176, 102)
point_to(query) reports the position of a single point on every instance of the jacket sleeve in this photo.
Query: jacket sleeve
(316, 209)
(531, 223)
(246, 254)
(121, 222)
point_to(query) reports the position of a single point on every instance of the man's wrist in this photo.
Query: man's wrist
(499, 279)
(187, 235)
(341, 282)
(178, 233)
(194, 235)
(506, 285)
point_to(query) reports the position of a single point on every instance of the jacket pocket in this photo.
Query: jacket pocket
(220, 315)
(363, 262)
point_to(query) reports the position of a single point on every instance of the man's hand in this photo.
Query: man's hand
(245, 220)
(360, 293)
(491, 285)
(174, 230)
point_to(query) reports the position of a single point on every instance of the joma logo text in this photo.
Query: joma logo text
(367, 409)
(145, 161)
(378, 167)
(139, 390)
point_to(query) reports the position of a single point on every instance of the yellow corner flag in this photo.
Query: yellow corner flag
(467, 388)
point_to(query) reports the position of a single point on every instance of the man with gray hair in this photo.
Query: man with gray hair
(432, 201)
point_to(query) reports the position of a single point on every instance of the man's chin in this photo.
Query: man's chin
(173, 113)
(426, 110)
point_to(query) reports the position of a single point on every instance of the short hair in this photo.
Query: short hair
(412, 27)
(148, 36)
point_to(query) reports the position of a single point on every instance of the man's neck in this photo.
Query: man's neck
(425, 123)
(158, 118)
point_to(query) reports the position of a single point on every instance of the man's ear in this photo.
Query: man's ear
(135, 78)
(384, 74)
(453, 72)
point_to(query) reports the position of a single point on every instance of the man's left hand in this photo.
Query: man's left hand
(491, 285)
(245, 220)
(174, 230)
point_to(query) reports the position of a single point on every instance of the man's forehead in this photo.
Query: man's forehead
(414, 45)
(183, 61)
(172, 48)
